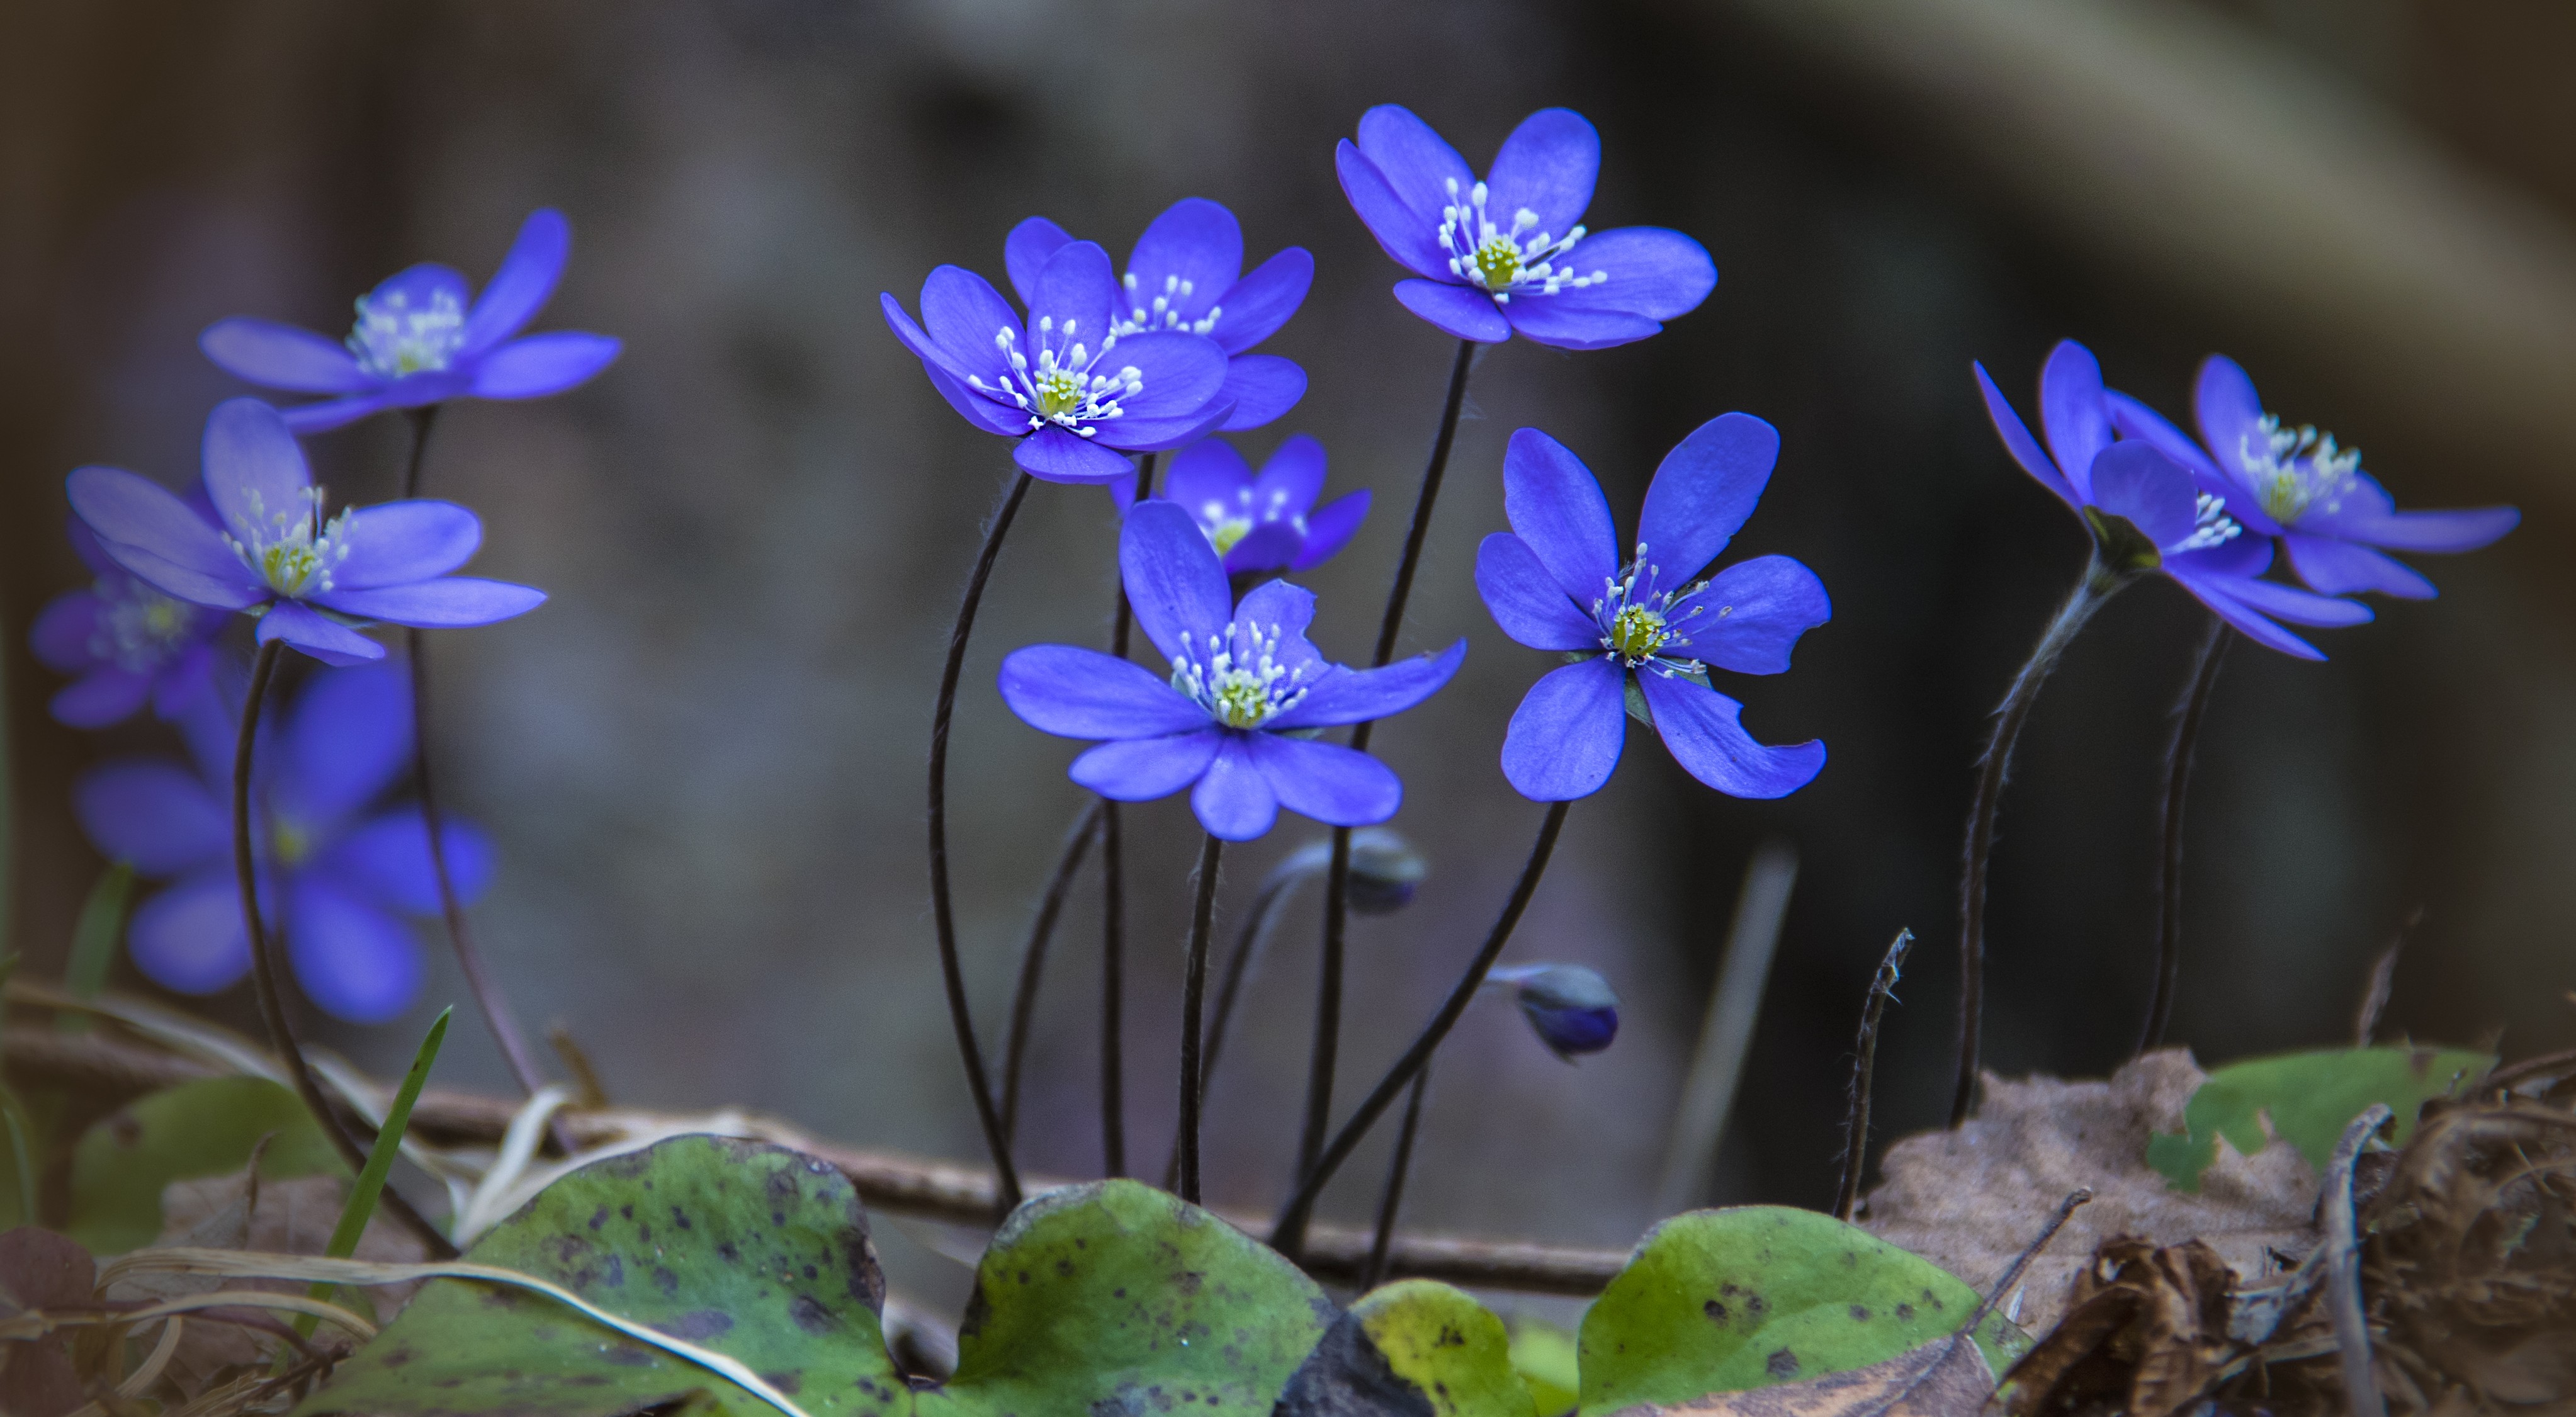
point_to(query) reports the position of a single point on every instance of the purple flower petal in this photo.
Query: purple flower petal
(2297, 606)
(1142, 769)
(964, 315)
(450, 602)
(986, 364)
(1752, 613)
(1704, 490)
(2017, 440)
(1187, 259)
(1334, 785)
(2447, 531)
(1409, 239)
(1555, 504)
(541, 366)
(188, 677)
(2341, 568)
(1233, 799)
(1054, 455)
(1261, 387)
(2072, 413)
(399, 542)
(388, 858)
(353, 960)
(421, 287)
(1455, 310)
(1078, 290)
(1360, 695)
(1270, 546)
(1526, 601)
(2225, 405)
(2213, 591)
(347, 738)
(1025, 252)
(1291, 479)
(161, 539)
(1547, 166)
(157, 815)
(1559, 325)
(1261, 302)
(1272, 619)
(65, 630)
(1180, 372)
(306, 419)
(525, 282)
(254, 471)
(1208, 479)
(1173, 579)
(100, 699)
(1330, 527)
(1417, 163)
(1082, 693)
(1651, 271)
(990, 414)
(1156, 435)
(2135, 420)
(2135, 481)
(1565, 737)
(276, 356)
(1699, 726)
(190, 937)
(305, 628)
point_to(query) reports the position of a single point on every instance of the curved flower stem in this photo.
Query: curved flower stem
(2098, 584)
(1193, 996)
(1288, 1232)
(1113, 917)
(1882, 987)
(263, 964)
(1024, 999)
(1323, 1058)
(942, 911)
(1248, 943)
(2178, 760)
(1393, 1197)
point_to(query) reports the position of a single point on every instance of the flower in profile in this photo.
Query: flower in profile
(1259, 523)
(1074, 391)
(2159, 518)
(2300, 485)
(422, 339)
(333, 874)
(124, 642)
(1510, 253)
(1572, 1009)
(1186, 274)
(272, 552)
(1640, 641)
(1231, 721)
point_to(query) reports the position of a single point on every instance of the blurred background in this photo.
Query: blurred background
(702, 758)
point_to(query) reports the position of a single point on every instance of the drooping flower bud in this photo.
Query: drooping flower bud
(1572, 1009)
(1385, 869)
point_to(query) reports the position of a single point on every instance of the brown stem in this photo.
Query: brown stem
(1882, 987)
(1024, 998)
(2178, 762)
(1193, 1000)
(1392, 1200)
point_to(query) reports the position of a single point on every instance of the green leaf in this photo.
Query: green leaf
(1724, 1300)
(94, 937)
(1417, 1348)
(203, 1128)
(360, 1205)
(1544, 1355)
(2309, 1098)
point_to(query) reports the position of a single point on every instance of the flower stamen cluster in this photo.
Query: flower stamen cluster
(295, 550)
(1160, 313)
(2295, 469)
(140, 628)
(392, 339)
(2211, 526)
(1241, 693)
(1061, 389)
(1502, 262)
(1640, 626)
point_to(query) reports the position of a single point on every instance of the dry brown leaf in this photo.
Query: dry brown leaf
(2145, 1331)
(1970, 1199)
(1944, 1379)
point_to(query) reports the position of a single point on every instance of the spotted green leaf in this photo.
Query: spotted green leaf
(1544, 1355)
(204, 1128)
(1726, 1300)
(1415, 1348)
(2309, 1098)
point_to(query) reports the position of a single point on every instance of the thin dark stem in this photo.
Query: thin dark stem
(1882, 987)
(1288, 1233)
(2096, 586)
(943, 912)
(1024, 999)
(264, 973)
(1323, 1058)
(1393, 1198)
(1193, 1001)
(2178, 761)
(1113, 916)
(1248, 943)
(422, 420)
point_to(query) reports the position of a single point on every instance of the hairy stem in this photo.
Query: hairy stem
(1249, 942)
(1024, 998)
(2097, 585)
(1193, 998)
(943, 911)
(2178, 762)
(1288, 1233)
(1392, 1199)
(1882, 987)
(1323, 1057)
(1113, 916)
(263, 961)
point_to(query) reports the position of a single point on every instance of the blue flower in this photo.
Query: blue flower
(1640, 642)
(420, 340)
(1236, 715)
(332, 873)
(124, 642)
(2299, 485)
(1259, 523)
(1183, 275)
(1572, 1009)
(1074, 391)
(1511, 253)
(274, 554)
(2192, 533)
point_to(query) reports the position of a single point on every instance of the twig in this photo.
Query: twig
(2343, 1268)
(1726, 1033)
(1882, 987)
(2374, 1000)
(1024, 998)
(2178, 764)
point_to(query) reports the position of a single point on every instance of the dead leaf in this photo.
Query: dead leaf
(42, 1270)
(2146, 1330)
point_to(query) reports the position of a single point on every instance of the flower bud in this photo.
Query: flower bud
(1571, 1008)
(1384, 870)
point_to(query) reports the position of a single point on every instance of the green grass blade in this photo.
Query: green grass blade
(371, 1181)
(26, 1162)
(94, 937)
